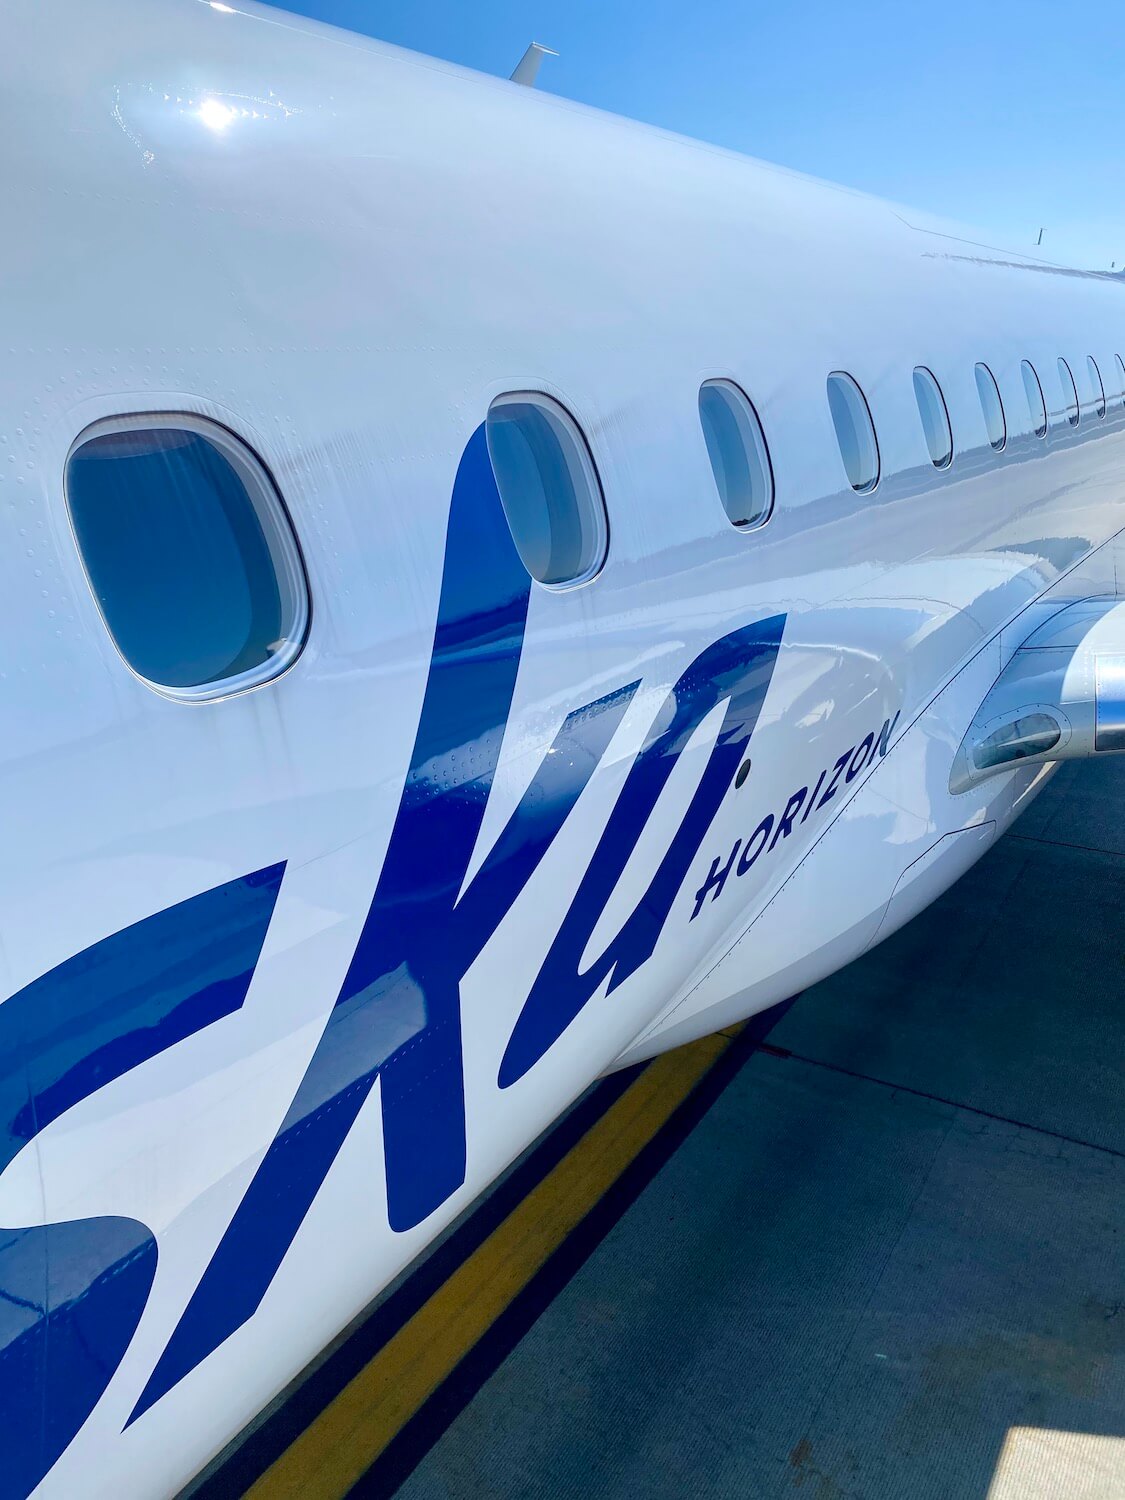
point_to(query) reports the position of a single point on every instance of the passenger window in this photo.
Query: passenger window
(1069, 393)
(1120, 374)
(1036, 406)
(736, 446)
(549, 488)
(855, 431)
(992, 407)
(935, 417)
(1096, 387)
(189, 553)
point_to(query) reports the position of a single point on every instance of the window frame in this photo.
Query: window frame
(278, 531)
(1039, 429)
(996, 446)
(579, 447)
(731, 389)
(1071, 410)
(1121, 373)
(848, 380)
(928, 375)
(1093, 370)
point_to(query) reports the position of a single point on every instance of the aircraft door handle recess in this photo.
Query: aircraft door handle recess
(1061, 697)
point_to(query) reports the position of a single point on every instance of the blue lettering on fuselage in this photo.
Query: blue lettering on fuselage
(72, 1295)
(774, 828)
(397, 1018)
(423, 932)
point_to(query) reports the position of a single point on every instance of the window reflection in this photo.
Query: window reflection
(935, 417)
(992, 407)
(737, 449)
(549, 488)
(1036, 406)
(855, 431)
(188, 551)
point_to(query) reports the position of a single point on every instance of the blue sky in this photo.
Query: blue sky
(1009, 114)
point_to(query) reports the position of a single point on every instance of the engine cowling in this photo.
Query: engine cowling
(1061, 697)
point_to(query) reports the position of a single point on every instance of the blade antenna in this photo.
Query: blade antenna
(527, 69)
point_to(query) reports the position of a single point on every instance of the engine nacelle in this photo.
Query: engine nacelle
(1061, 697)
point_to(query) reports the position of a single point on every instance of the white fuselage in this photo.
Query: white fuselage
(344, 253)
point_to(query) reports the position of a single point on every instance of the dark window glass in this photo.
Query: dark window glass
(549, 488)
(992, 407)
(1097, 389)
(935, 417)
(855, 431)
(188, 552)
(1034, 734)
(1036, 406)
(1069, 393)
(737, 449)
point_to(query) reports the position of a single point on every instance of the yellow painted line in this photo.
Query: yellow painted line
(336, 1449)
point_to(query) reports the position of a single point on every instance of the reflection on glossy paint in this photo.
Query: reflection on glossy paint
(144, 113)
(217, 116)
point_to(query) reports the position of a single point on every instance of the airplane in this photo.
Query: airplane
(493, 592)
